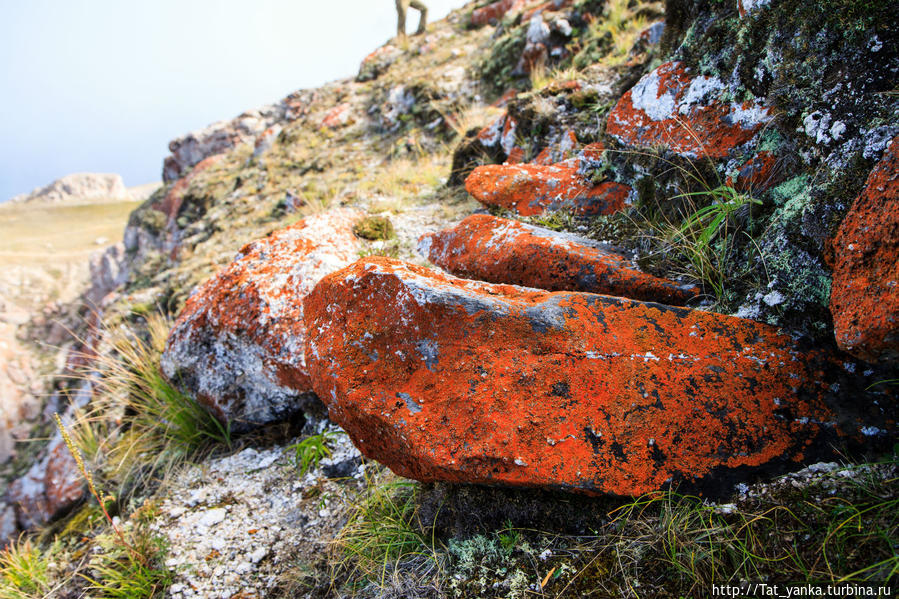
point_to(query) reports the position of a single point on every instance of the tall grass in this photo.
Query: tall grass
(139, 424)
(384, 541)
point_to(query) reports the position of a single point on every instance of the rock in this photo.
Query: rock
(689, 114)
(108, 270)
(79, 188)
(757, 174)
(266, 141)
(8, 526)
(506, 251)
(189, 150)
(400, 102)
(564, 150)
(865, 296)
(377, 62)
(747, 7)
(51, 487)
(531, 189)
(237, 346)
(445, 379)
(494, 12)
(340, 115)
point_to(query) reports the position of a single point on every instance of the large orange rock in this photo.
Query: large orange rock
(531, 189)
(237, 345)
(691, 114)
(455, 380)
(506, 251)
(864, 299)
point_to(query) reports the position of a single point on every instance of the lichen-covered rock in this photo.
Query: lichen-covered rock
(340, 115)
(507, 251)
(377, 62)
(565, 149)
(531, 189)
(51, 486)
(237, 346)
(865, 295)
(692, 115)
(192, 148)
(495, 11)
(448, 379)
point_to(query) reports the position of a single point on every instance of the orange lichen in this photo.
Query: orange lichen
(447, 379)
(865, 296)
(237, 345)
(669, 106)
(506, 251)
(530, 189)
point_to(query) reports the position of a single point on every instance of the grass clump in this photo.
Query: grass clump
(132, 571)
(312, 450)
(24, 571)
(163, 425)
(703, 243)
(383, 543)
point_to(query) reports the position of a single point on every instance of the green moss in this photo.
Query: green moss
(374, 228)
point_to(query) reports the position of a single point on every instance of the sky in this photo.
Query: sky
(104, 85)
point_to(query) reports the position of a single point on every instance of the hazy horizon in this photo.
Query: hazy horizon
(102, 86)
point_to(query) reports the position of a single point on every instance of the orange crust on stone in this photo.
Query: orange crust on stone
(444, 379)
(499, 250)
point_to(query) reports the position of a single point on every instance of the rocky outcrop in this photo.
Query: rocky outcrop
(53, 484)
(506, 251)
(691, 114)
(17, 402)
(190, 149)
(494, 11)
(50, 487)
(447, 379)
(531, 189)
(377, 62)
(238, 344)
(79, 188)
(865, 296)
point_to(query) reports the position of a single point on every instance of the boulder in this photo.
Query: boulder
(446, 379)
(237, 346)
(337, 117)
(494, 12)
(51, 487)
(217, 138)
(499, 250)
(79, 188)
(692, 115)
(531, 189)
(378, 62)
(864, 299)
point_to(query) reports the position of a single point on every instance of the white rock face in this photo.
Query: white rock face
(79, 188)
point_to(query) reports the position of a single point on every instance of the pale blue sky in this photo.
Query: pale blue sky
(103, 85)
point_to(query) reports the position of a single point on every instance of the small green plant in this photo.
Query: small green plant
(312, 450)
(132, 572)
(24, 571)
(384, 537)
(129, 565)
(706, 236)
